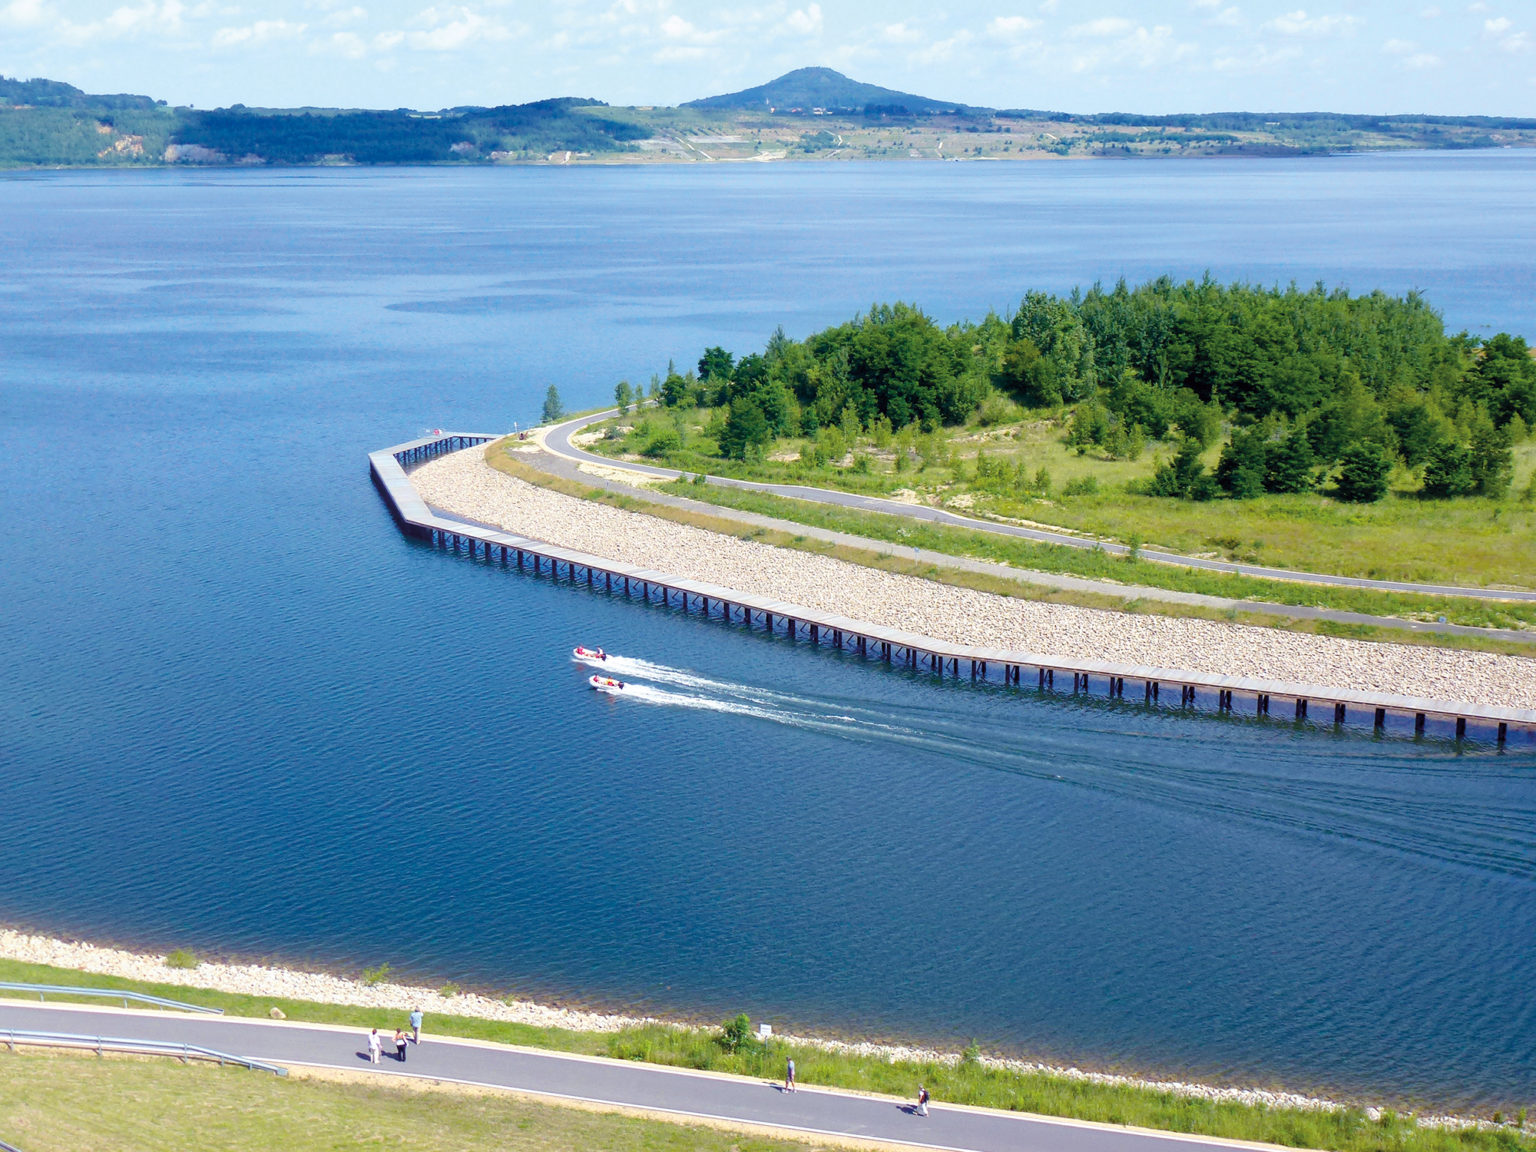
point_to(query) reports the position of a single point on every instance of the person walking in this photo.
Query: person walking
(789, 1075)
(374, 1045)
(922, 1100)
(400, 1045)
(415, 1025)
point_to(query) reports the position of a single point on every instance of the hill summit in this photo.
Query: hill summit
(808, 88)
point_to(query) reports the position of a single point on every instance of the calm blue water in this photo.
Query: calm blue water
(241, 714)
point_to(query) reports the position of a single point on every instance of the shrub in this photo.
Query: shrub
(1081, 486)
(736, 1034)
(971, 1054)
(449, 990)
(181, 958)
(372, 976)
(1183, 476)
(662, 440)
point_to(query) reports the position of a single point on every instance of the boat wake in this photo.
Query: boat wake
(1310, 784)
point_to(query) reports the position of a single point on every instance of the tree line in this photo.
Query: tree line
(1301, 387)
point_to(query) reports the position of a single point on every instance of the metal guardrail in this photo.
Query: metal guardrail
(42, 991)
(4, 1147)
(99, 1044)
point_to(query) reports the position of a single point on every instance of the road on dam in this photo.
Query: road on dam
(680, 1093)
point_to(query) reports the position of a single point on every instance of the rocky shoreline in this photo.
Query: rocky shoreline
(293, 984)
(463, 484)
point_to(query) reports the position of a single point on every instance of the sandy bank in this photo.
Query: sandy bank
(463, 484)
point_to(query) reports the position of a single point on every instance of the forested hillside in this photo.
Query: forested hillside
(1301, 389)
(46, 123)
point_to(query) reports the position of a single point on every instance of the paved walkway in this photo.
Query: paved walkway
(682, 1093)
(558, 442)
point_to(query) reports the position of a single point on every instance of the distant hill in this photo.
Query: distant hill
(54, 94)
(808, 88)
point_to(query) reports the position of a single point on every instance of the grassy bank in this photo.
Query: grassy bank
(966, 1082)
(1054, 559)
(1095, 564)
(1028, 470)
(71, 1103)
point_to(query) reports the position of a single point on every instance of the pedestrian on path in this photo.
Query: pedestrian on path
(400, 1045)
(789, 1075)
(922, 1100)
(415, 1025)
(374, 1045)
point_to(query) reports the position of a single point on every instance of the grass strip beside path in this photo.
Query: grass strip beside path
(1342, 1129)
(1097, 564)
(934, 538)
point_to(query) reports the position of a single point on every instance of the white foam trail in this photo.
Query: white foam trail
(629, 668)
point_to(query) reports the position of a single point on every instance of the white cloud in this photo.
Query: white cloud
(941, 50)
(23, 14)
(681, 31)
(1261, 58)
(261, 32)
(1049, 6)
(342, 17)
(1298, 23)
(1503, 32)
(805, 21)
(1011, 27)
(1139, 47)
(1103, 26)
(348, 44)
(901, 33)
(449, 29)
(1408, 52)
(1430, 14)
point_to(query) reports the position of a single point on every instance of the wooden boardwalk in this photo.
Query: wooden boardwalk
(1153, 686)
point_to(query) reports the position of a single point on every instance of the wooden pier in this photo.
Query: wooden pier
(1160, 687)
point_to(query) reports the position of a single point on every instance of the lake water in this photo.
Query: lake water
(241, 714)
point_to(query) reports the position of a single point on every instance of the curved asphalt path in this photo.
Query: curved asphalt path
(682, 1093)
(558, 441)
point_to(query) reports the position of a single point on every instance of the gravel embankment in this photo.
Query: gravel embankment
(287, 983)
(463, 484)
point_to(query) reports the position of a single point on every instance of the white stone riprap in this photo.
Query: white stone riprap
(462, 484)
(291, 984)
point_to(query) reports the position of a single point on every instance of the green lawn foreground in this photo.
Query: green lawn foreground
(1344, 1129)
(82, 1103)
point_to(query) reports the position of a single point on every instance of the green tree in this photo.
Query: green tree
(675, 391)
(1364, 467)
(1288, 463)
(553, 409)
(1183, 476)
(1448, 471)
(1240, 471)
(623, 396)
(746, 429)
(1504, 379)
(716, 364)
(1489, 457)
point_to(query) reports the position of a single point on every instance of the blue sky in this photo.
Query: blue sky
(1078, 55)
